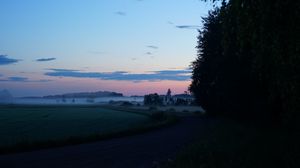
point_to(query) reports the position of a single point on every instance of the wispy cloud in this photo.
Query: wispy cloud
(17, 79)
(120, 13)
(148, 53)
(21, 79)
(187, 26)
(62, 70)
(45, 59)
(173, 75)
(4, 60)
(152, 46)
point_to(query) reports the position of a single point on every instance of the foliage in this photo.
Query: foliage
(171, 110)
(181, 102)
(126, 103)
(158, 115)
(153, 99)
(153, 108)
(248, 61)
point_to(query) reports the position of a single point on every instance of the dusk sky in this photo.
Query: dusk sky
(130, 46)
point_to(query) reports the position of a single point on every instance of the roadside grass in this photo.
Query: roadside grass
(172, 108)
(228, 144)
(25, 144)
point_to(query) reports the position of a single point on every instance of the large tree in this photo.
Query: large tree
(205, 68)
(248, 61)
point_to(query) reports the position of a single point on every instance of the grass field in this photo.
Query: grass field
(19, 124)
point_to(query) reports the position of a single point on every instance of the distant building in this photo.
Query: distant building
(179, 99)
(168, 99)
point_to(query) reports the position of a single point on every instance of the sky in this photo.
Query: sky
(134, 47)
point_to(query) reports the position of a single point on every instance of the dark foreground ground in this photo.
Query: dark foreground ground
(227, 143)
(139, 151)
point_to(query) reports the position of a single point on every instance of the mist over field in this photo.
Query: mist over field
(76, 101)
(68, 99)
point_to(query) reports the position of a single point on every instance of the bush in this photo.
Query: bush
(171, 110)
(198, 112)
(181, 102)
(152, 108)
(153, 99)
(126, 103)
(158, 115)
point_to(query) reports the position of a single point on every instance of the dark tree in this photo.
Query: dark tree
(181, 102)
(153, 99)
(248, 61)
(206, 67)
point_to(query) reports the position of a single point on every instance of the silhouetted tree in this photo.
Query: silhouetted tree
(153, 99)
(181, 102)
(248, 61)
(205, 68)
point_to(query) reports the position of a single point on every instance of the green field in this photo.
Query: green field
(19, 124)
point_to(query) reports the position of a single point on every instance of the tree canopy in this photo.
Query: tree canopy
(248, 61)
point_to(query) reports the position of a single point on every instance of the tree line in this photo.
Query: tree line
(248, 61)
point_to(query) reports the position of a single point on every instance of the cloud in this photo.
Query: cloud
(22, 79)
(5, 61)
(148, 53)
(18, 79)
(152, 46)
(120, 13)
(188, 27)
(178, 68)
(62, 70)
(45, 59)
(173, 75)
(14, 79)
(43, 80)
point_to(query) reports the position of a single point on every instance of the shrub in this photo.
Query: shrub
(158, 115)
(126, 103)
(171, 110)
(153, 99)
(152, 108)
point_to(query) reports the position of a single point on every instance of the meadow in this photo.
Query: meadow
(30, 124)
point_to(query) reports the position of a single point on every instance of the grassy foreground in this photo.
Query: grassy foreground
(228, 144)
(24, 128)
